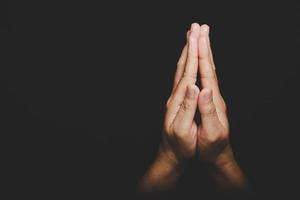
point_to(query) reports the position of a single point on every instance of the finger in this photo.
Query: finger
(191, 67)
(185, 116)
(206, 66)
(208, 112)
(207, 71)
(210, 52)
(188, 77)
(181, 63)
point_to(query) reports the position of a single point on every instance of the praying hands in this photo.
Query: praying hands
(182, 136)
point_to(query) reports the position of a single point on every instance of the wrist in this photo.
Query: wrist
(162, 174)
(228, 173)
(168, 159)
(225, 158)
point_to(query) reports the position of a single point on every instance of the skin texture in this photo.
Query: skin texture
(181, 135)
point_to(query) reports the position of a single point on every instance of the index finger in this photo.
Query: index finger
(181, 63)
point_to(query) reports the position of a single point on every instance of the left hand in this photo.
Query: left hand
(213, 132)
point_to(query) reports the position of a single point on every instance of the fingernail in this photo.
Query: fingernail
(205, 28)
(194, 25)
(195, 29)
(190, 93)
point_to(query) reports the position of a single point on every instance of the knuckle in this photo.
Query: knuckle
(204, 56)
(208, 76)
(174, 130)
(180, 63)
(191, 38)
(189, 77)
(223, 105)
(214, 139)
(167, 129)
(222, 136)
(219, 136)
(186, 105)
(210, 110)
(167, 105)
(211, 139)
(225, 134)
(179, 130)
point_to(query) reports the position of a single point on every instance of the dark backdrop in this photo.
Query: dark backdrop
(83, 87)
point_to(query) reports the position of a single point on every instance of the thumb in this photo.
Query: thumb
(185, 116)
(207, 108)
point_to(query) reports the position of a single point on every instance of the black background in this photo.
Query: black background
(83, 88)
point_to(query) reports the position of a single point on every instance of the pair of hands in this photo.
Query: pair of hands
(182, 136)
